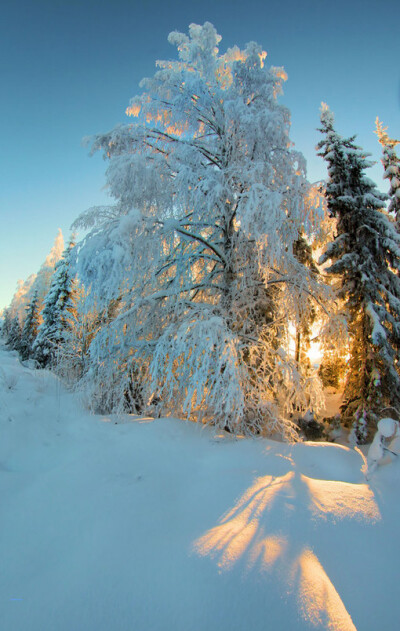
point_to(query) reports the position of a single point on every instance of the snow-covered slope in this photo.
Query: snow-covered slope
(110, 524)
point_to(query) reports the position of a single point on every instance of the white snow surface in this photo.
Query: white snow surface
(133, 524)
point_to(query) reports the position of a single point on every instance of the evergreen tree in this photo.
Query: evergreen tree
(366, 255)
(21, 298)
(13, 339)
(391, 165)
(58, 307)
(6, 323)
(39, 283)
(30, 328)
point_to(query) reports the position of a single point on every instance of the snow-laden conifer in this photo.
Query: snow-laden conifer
(366, 255)
(39, 283)
(13, 334)
(6, 323)
(30, 328)
(58, 306)
(42, 281)
(391, 165)
(21, 298)
(199, 248)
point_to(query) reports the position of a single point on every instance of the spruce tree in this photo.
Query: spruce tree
(30, 328)
(58, 306)
(366, 255)
(391, 165)
(13, 337)
(6, 324)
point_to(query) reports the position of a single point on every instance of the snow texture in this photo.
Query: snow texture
(117, 523)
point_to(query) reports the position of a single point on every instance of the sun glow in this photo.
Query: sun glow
(314, 353)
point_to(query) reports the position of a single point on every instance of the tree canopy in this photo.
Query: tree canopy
(198, 252)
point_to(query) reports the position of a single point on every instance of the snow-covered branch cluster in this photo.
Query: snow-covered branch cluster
(199, 248)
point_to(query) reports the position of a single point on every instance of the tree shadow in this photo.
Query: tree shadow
(270, 531)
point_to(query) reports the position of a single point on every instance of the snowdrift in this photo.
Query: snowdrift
(117, 524)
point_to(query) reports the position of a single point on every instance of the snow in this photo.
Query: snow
(378, 334)
(209, 172)
(333, 401)
(388, 427)
(117, 523)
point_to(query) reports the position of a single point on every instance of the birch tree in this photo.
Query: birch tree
(199, 247)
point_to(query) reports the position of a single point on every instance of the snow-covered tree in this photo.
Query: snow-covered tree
(59, 305)
(21, 298)
(83, 325)
(366, 255)
(30, 328)
(43, 278)
(391, 165)
(36, 283)
(13, 338)
(6, 323)
(199, 247)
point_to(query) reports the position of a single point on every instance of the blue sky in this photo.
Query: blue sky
(69, 67)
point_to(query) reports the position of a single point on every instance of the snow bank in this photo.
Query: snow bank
(116, 524)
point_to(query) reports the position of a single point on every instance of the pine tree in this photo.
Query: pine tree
(366, 255)
(30, 328)
(21, 298)
(13, 338)
(58, 307)
(391, 165)
(6, 323)
(39, 282)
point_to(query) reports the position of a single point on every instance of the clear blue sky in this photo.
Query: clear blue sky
(69, 67)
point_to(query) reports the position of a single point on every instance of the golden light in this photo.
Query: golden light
(318, 600)
(262, 56)
(234, 536)
(314, 353)
(281, 74)
(133, 110)
(251, 534)
(342, 500)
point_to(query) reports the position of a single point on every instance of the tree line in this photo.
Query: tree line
(200, 290)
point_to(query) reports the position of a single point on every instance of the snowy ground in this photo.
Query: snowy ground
(130, 524)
